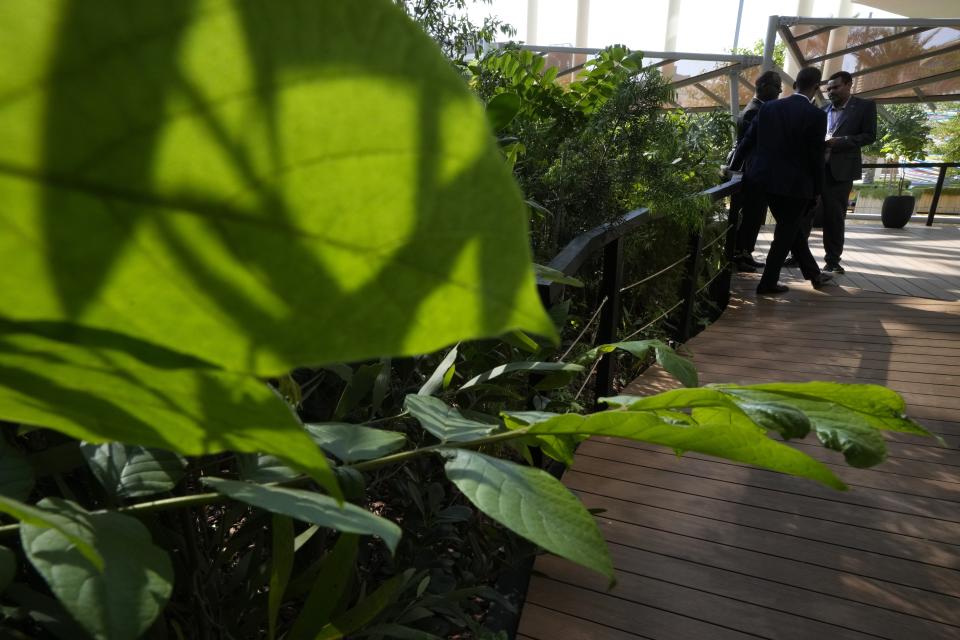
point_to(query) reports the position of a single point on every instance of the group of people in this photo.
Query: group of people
(799, 160)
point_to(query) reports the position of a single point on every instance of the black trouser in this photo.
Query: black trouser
(836, 195)
(753, 210)
(793, 217)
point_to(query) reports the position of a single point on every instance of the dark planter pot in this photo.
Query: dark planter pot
(896, 211)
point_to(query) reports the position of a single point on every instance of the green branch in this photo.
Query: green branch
(199, 499)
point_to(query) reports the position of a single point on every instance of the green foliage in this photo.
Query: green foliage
(132, 472)
(116, 601)
(948, 133)
(907, 136)
(447, 23)
(443, 421)
(779, 51)
(16, 474)
(309, 506)
(531, 503)
(353, 442)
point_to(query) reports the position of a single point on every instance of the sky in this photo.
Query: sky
(706, 26)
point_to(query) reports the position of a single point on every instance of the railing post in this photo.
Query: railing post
(610, 314)
(936, 195)
(721, 292)
(688, 290)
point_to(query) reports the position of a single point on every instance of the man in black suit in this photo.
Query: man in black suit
(787, 142)
(851, 124)
(752, 201)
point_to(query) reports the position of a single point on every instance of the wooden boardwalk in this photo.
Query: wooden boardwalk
(716, 550)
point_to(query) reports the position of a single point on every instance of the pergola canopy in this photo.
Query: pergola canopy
(702, 81)
(891, 61)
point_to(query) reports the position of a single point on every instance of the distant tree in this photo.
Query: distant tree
(907, 136)
(779, 51)
(948, 135)
(447, 22)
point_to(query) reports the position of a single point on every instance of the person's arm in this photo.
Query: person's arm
(868, 130)
(745, 145)
(743, 123)
(817, 148)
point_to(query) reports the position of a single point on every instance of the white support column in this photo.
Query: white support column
(533, 20)
(583, 28)
(804, 9)
(838, 39)
(670, 35)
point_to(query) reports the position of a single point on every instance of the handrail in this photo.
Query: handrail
(941, 177)
(609, 237)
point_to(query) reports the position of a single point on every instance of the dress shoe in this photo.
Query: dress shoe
(772, 290)
(791, 262)
(834, 268)
(821, 279)
(745, 267)
(749, 260)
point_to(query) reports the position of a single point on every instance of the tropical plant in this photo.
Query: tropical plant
(202, 199)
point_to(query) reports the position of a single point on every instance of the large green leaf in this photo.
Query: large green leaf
(16, 474)
(531, 503)
(94, 390)
(260, 184)
(76, 532)
(445, 422)
(502, 108)
(730, 439)
(881, 407)
(123, 599)
(261, 467)
(309, 506)
(132, 471)
(353, 442)
(837, 427)
(680, 368)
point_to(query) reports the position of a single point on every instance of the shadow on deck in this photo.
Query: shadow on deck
(712, 549)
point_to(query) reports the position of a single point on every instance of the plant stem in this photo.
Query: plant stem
(208, 498)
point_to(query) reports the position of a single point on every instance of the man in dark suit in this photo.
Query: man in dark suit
(752, 201)
(851, 124)
(787, 142)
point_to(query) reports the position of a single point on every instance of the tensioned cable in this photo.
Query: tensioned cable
(651, 277)
(654, 321)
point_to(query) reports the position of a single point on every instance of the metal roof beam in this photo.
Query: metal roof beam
(811, 33)
(896, 63)
(710, 94)
(910, 85)
(722, 71)
(870, 22)
(866, 45)
(746, 60)
(793, 46)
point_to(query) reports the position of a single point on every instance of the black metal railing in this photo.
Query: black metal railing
(941, 177)
(610, 238)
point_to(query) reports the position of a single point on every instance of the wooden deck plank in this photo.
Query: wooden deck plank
(704, 548)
